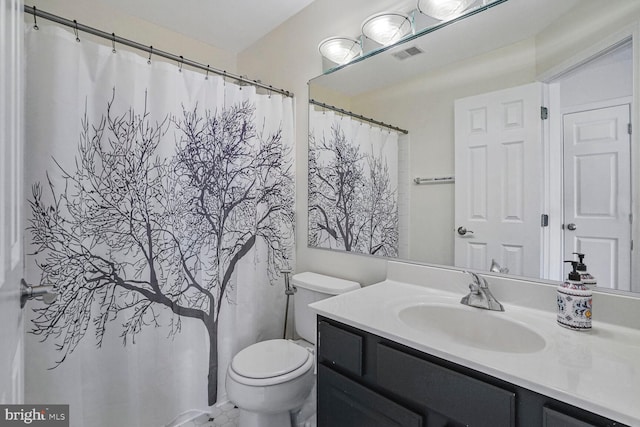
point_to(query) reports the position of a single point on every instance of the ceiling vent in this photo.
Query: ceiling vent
(407, 53)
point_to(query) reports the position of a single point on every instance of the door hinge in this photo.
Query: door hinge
(632, 245)
(544, 113)
(544, 220)
(630, 218)
(629, 128)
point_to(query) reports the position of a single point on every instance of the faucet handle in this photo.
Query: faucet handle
(474, 276)
(474, 287)
(484, 284)
(479, 282)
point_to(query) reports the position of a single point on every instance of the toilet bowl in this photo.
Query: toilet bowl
(269, 381)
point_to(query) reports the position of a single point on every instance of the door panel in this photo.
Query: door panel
(597, 192)
(11, 196)
(499, 180)
(478, 183)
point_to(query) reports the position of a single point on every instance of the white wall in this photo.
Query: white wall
(608, 77)
(111, 20)
(577, 31)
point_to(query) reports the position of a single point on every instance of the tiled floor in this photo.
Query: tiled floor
(225, 415)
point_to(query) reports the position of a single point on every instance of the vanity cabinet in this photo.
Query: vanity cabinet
(366, 380)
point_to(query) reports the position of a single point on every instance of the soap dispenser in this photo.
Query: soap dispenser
(585, 276)
(574, 302)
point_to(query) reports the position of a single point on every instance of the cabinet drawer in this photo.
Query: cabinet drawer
(551, 418)
(340, 348)
(462, 398)
(344, 403)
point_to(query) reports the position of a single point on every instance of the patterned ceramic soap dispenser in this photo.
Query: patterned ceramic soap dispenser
(574, 302)
(586, 277)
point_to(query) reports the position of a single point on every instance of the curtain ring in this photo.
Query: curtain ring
(270, 90)
(181, 63)
(224, 78)
(75, 30)
(150, 53)
(206, 77)
(113, 42)
(35, 21)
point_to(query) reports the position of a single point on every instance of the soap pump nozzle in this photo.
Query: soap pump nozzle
(581, 265)
(574, 275)
(585, 276)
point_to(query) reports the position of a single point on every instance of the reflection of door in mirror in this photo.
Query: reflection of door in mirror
(597, 192)
(500, 187)
(594, 116)
(498, 160)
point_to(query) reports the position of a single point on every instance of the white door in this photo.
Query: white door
(597, 192)
(498, 164)
(11, 196)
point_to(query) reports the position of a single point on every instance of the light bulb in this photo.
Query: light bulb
(444, 10)
(340, 49)
(386, 28)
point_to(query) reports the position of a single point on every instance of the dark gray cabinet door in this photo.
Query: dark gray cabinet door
(459, 397)
(340, 349)
(345, 403)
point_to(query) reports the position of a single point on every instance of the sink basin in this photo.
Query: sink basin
(474, 327)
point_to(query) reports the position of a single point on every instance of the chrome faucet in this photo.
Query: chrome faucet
(480, 296)
(495, 268)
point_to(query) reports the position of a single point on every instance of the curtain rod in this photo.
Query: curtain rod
(149, 49)
(357, 116)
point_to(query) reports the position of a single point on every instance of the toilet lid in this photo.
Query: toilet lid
(268, 359)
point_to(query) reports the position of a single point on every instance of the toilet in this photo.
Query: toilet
(269, 381)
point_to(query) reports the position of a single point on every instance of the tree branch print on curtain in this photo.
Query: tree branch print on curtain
(352, 204)
(132, 232)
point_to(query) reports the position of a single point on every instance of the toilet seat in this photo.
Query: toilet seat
(270, 362)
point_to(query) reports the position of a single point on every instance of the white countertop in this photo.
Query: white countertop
(598, 370)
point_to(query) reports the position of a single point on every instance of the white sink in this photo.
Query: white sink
(488, 330)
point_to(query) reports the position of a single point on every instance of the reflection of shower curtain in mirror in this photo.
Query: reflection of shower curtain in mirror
(353, 185)
(161, 209)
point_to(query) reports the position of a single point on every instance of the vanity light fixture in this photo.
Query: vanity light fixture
(386, 28)
(444, 10)
(340, 50)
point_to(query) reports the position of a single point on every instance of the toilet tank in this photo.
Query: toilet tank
(312, 287)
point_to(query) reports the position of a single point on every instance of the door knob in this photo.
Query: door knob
(571, 226)
(462, 231)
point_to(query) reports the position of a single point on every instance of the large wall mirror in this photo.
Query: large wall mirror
(504, 141)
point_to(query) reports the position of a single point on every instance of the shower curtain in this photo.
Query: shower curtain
(353, 184)
(161, 210)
